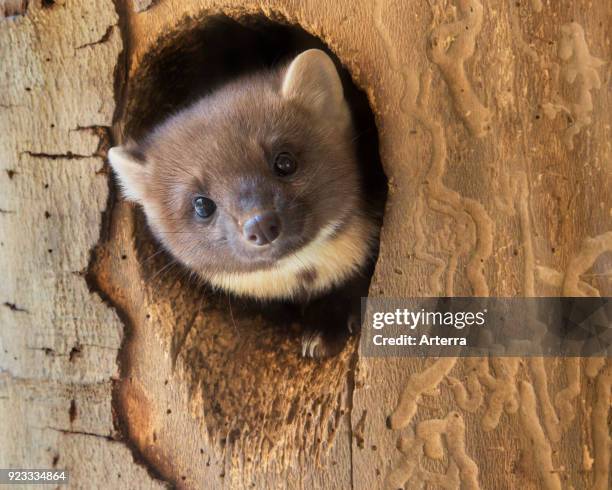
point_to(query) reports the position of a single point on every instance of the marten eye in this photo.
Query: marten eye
(284, 164)
(204, 207)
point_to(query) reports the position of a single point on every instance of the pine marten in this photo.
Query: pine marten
(257, 188)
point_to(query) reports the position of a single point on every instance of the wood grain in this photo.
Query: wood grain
(494, 129)
(58, 341)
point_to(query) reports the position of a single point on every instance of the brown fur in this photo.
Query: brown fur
(221, 147)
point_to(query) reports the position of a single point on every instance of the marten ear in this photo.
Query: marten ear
(313, 79)
(131, 170)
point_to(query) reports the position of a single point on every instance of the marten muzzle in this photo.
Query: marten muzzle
(262, 229)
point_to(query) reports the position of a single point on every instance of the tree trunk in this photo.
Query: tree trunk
(494, 129)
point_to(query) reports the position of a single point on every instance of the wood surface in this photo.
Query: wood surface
(494, 127)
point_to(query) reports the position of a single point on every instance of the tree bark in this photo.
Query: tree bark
(494, 128)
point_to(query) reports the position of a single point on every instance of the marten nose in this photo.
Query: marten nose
(262, 229)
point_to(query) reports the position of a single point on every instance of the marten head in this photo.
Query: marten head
(256, 186)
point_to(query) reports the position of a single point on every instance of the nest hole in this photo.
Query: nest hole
(194, 61)
(232, 349)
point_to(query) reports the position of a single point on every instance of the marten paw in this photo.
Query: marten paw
(319, 344)
(353, 324)
(313, 344)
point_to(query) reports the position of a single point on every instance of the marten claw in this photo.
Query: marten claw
(313, 344)
(319, 344)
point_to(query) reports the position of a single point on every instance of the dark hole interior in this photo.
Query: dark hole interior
(193, 61)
